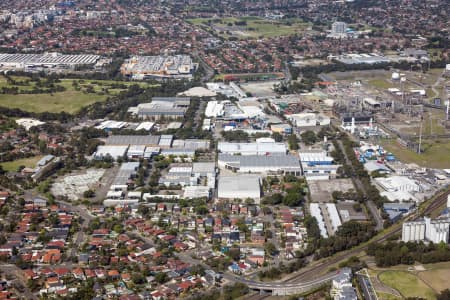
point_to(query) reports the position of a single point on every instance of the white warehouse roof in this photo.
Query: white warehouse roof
(239, 187)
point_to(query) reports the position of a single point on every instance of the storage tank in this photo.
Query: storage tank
(395, 76)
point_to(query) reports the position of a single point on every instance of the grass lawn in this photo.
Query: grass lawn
(380, 84)
(71, 100)
(12, 166)
(437, 279)
(407, 284)
(253, 28)
(436, 153)
(68, 101)
(386, 296)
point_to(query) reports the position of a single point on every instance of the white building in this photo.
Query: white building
(338, 27)
(316, 212)
(240, 187)
(262, 146)
(309, 119)
(413, 231)
(264, 164)
(398, 183)
(435, 231)
(214, 109)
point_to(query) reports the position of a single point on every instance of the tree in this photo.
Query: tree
(444, 295)
(309, 137)
(89, 194)
(161, 277)
(293, 142)
(270, 248)
(277, 137)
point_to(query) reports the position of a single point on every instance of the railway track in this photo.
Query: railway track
(320, 268)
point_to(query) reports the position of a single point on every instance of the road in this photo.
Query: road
(209, 72)
(86, 217)
(370, 205)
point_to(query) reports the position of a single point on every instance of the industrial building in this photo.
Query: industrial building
(281, 128)
(126, 140)
(308, 119)
(435, 231)
(193, 144)
(190, 174)
(363, 58)
(315, 157)
(162, 107)
(144, 67)
(240, 187)
(316, 212)
(398, 188)
(113, 151)
(126, 172)
(268, 164)
(214, 109)
(45, 61)
(262, 146)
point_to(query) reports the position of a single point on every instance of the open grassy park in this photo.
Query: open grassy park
(70, 99)
(436, 153)
(12, 166)
(251, 27)
(407, 284)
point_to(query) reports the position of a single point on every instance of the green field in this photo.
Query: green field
(436, 153)
(380, 83)
(407, 284)
(251, 27)
(71, 100)
(12, 166)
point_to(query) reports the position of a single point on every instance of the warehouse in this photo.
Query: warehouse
(281, 128)
(309, 119)
(165, 141)
(147, 126)
(126, 172)
(191, 192)
(142, 67)
(136, 151)
(126, 140)
(114, 152)
(262, 146)
(179, 152)
(279, 164)
(194, 144)
(240, 187)
(319, 172)
(314, 157)
(109, 125)
(334, 216)
(167, 107)
(214, 109)
(398, 183)
(317, 213)
(46, 60)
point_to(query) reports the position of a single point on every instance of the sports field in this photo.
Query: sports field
(251, 27)
(71, 100)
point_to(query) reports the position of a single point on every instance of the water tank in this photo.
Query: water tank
(395, 76)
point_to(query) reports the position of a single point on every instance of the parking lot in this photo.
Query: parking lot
(321, 190)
